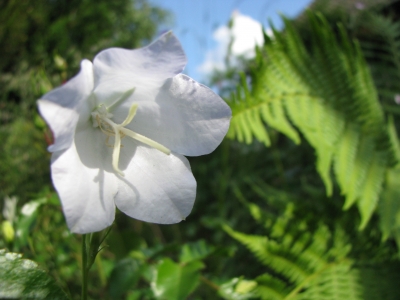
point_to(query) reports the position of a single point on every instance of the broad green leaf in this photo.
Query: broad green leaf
(124, 277)
(23, 279)
(174, 281)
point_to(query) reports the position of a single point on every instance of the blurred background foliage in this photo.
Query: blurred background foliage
(301, 201)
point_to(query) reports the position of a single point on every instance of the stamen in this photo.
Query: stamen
(131, 115)
(145, 140)
(115, 155)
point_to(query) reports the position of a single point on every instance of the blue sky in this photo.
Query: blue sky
(195, 21)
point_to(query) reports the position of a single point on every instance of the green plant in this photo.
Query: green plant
(304, 258)
(325, 90)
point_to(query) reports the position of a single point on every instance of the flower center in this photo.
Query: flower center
(101, 118)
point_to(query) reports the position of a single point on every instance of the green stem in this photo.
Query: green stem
(90, 248)
(209, 283)
(84, 267)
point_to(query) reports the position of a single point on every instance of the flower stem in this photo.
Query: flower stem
(90, 248)
(85, 269)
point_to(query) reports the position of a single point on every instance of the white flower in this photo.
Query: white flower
(121, 128)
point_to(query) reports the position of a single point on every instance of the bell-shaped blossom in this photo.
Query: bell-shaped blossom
(121, 128)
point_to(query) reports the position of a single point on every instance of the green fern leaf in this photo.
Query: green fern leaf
(389, 207)
(368, 200)
(345, 158)
(328, 94)
(303, 266)
(264, 251)
(271, 288)
(382, 50)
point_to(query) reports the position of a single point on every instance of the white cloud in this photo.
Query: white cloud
(245, 33)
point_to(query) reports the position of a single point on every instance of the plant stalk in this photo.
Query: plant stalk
(85, 268)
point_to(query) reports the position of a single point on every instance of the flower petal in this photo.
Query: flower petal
(62, 107)
(118, 70)
(186, 117)
(157, 187)
(86, 192)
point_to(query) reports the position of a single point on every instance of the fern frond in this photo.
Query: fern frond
(271, 288)
(303, 266)
(328, 94)
(389, 207)
(363, 282)
(264, 250)
(302, 262)
(383, 53)
(333, 283)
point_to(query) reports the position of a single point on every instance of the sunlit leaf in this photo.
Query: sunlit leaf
(23, 279)
(238, 289)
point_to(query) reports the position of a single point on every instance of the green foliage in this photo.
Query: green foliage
(176, 281)
(314, 86)
(40, 230)
(195, 251)
(307, 263)
(41, 234)
(326, 91)
(37, 31)
(238, 289)
(380, 41)
(29, 214)
(124, 277)
(389, 206)
(23, 157)
(23, 279)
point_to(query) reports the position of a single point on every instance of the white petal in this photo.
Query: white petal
(186, 117)
(157, 187)
(63, 106)
(118, 70)
(84, 184)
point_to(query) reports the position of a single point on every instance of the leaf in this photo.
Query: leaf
(372, 188)
(174, 281)
(195, 251)
(238, 289)
(22, 278)
(26, 219)
(366, 282)
(270, 254)
(389, 206)
(304, 265)
(321, 87)
(271, 288)
(382, 49)
(124, 277)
